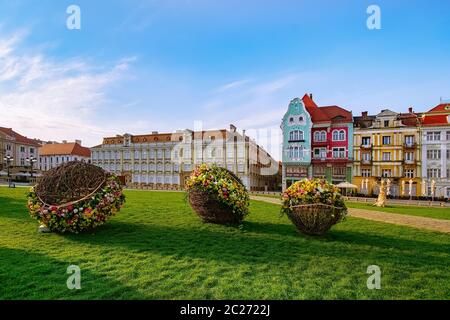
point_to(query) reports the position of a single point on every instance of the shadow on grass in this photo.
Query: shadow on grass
(235, 246)
(30, 275)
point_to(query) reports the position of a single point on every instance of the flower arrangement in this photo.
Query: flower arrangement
(223, 186)
(76, 216)
(313, 205)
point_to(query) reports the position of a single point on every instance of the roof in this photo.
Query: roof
(18, 137)
(326, 113)
(439, 115)
(64, 149)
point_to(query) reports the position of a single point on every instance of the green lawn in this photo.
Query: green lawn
(156, 248)
(433, 212)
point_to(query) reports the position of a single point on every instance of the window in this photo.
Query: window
(409, 156)
(8, 147)
(167, 153)
(409, 140)
(409, 173)
(320, 153)
(320, 136)
(366, 157)
(433, 154)
(386, 156)
(187, 167)
(386, 139)
(366, 141)
(32, 150)
(319, 171)
(159, 153)
(22, 149)
(338, 153)
(448, 192)
(448, 155)
(448, 137)
(175, 167)
(230, 167)
(386, 123)
(433, 136)
(433, 173)
(296, 135)
(300, 119)
(291, 119)
(339, 171)
(240, 167)
(240, 151)
(159, 167)
(386, 173)
(339, 135)
(137, 154)
(366, 173)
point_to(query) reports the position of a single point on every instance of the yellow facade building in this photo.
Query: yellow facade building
(387, 147)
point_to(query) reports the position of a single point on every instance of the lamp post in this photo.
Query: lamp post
(31, 160)
(8, 159)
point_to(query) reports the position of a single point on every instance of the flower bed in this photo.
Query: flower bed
(85, 213)
(313, 206)
(217, 195)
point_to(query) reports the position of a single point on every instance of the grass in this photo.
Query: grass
(156, 248)
(430, 212)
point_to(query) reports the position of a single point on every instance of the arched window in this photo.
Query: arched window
(335, 135)
(300, 119)
(317, 136)
(296, 154)
(342, 135)
(300, 135)
(291, 119)
(323, 136)
(291, 152)
(291, 135)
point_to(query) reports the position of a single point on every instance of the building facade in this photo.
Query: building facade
(317, 142)
(54, 154)
(387, 146)
(19, 148)
(165, 160)
(435, 133)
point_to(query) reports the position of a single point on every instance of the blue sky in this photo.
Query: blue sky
(140, 66)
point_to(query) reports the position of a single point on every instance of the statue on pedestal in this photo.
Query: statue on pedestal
(381, 201)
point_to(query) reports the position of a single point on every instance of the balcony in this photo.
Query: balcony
(409, 162)
(296, 140)
(320, 143)
(322, 160)
(366, 162)
(366, 146)
(410, 145)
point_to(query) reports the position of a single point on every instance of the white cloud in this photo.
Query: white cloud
(53, 100)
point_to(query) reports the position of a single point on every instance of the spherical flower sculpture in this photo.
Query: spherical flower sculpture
(217, 195)
(313, 206)
(75, 197)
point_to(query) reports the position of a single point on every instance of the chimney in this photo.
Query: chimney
(78, 142)
(410, 110)
(232, 128)
(311, 96)
(364, 113)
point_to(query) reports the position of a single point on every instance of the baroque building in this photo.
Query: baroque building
(435, 134)
(317, 142)
(387, 146)
(165, 160)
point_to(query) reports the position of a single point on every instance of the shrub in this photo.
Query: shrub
(313, 205)
(217, 194)
(75, 197)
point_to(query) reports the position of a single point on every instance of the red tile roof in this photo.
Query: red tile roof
(18, 137)
(439, 115)
(326, 113)
(64, 149)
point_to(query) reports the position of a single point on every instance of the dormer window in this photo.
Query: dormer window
(291, 119)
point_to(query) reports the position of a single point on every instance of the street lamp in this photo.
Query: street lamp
(8, 159)
(31, 160)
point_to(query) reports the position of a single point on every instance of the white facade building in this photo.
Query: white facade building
(165, 160)
(54, 154)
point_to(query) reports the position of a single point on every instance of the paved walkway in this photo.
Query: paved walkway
(432, 224)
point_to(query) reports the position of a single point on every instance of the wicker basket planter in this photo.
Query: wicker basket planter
(75, 197)
(210, 209)
(315, 219)
(313, 206)
(217, 195)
